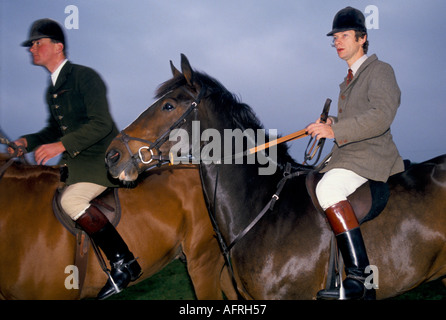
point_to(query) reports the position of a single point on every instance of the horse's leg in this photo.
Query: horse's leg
(205, 277)
(204, 260)
(227, 284)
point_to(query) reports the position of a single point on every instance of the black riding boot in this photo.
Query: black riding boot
(124, 267)
(343, 221)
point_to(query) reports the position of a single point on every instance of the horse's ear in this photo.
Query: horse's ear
(187, 70)
(175, 71)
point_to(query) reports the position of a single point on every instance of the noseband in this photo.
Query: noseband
(156, 145)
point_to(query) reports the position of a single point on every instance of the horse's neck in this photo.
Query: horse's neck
(236, 193)
(4, 157)
(19, 170)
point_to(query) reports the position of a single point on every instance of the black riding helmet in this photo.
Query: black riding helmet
(348, 19)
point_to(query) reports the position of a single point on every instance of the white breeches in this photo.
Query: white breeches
(336, 185)
(76, 197)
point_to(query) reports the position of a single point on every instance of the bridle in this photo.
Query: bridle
(136, 158)
(151, 146)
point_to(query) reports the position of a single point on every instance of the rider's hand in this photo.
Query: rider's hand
(21, 142)
(321, 130)
(48, 151)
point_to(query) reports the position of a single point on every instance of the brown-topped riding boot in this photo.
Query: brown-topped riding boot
(345, 226)
(124, 267)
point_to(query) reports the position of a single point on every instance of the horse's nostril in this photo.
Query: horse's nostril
(113, 157)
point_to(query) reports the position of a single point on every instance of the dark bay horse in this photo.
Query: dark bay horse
(285, 255)
(162, 217)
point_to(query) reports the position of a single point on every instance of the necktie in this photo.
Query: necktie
(349, 76)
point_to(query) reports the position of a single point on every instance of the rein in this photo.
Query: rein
(5, 167)
(135, 158)
(310, 152)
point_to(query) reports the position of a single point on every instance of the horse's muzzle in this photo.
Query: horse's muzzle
(112, 158)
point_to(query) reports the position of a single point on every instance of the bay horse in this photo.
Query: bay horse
(162, 218)
(285, 254)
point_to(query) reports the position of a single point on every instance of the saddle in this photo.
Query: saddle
(108, 203)
(368, 201)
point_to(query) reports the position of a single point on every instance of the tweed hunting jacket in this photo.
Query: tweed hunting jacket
(79, 117)
(366, 109)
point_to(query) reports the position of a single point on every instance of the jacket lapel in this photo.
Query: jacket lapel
(365, 64)
(62, 78)
(343, 86)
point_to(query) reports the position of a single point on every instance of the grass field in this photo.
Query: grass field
(173, 283)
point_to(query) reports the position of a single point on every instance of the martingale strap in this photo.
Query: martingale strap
(270, 205)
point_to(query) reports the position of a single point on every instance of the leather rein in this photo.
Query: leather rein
(138, 157)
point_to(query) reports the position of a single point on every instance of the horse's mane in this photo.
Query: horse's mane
(20, 170)
(241, 114)
(4, 156)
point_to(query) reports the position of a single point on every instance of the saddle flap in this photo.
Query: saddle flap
(368, 201)
(107, 202)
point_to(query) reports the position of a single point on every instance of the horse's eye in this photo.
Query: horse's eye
(168, 107)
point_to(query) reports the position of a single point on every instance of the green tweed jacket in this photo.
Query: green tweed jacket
(79, 117)
(366, 109)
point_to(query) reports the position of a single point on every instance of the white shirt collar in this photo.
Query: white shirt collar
(55, 74)
(358, 64)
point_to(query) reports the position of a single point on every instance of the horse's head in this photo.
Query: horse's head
(166, 131)
(145, 142)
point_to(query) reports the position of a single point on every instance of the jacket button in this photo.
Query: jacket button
(340, 110)
(342, 97)
(64, 128)
(60, 117)
(56, 106)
